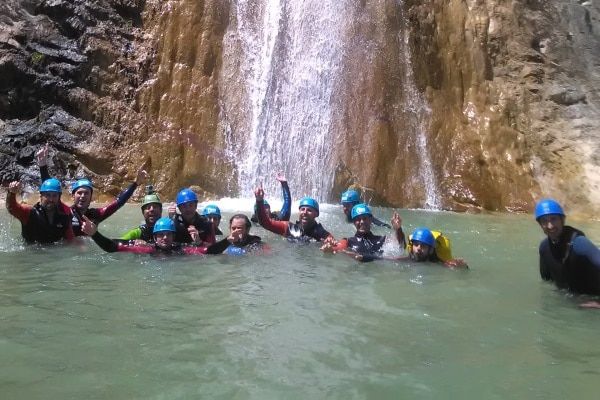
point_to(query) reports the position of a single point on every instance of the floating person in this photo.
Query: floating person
(364, 245)
(286, 208)
(432, 246)
(304, 230)
(82, 191)
(567, 257)
(212, 213)
(239, 241)
(191, 226)
(163, 231)
(48, 221)
(152, 211)
(350, 198)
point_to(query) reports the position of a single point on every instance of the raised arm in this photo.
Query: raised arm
(122, 198)
(397, 226)
(279, 227)
(286, 208)
(20, 211)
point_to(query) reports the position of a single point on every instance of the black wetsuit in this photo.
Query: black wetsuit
(368, 245)
(572, 262)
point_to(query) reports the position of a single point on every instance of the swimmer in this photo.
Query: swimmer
(191, 227)
(349, 199)
(152, 211)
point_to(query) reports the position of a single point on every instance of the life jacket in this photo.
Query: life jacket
(39, 229)
(298, 234)
(568, 270)
(442, 248)
(366, 244)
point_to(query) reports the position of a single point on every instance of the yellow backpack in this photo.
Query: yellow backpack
(442, 246)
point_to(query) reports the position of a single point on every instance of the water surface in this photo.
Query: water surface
(79, 323)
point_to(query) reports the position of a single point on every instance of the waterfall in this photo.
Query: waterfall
(418, 112)
(290, 55)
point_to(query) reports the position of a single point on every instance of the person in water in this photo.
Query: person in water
(212, 213)
(163, 231)
(350, 198)
(304, 230)
(191, 227)
(152, 211)
(567, 257)
(48, 221)
(82, 191)
(286, 208)
(422, 248)
(364, 245)
(239, 241)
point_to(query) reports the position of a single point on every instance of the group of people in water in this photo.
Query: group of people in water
(567, 257)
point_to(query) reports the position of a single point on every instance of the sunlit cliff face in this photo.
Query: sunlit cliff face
(441, 104)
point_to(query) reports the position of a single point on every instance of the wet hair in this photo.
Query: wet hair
(241, 216)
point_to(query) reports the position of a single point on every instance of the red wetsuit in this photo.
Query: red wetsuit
(35, 225)
(292, 231)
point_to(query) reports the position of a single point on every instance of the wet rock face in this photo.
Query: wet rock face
(508, 93)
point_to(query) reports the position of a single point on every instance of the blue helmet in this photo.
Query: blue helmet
(350, 196)
(547, 207)
(51, 185)
(185, 196)
(211, 209)
(423, 235)
(360, 209)
(81, 183)
(164, 224)
(309, 202)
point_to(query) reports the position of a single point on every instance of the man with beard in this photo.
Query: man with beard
(306, 229)
(190, 226)
(82, 190)
(422, 248)
(567, 257)
(48, 221)
(152, 211)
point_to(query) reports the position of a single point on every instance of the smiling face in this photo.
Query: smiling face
(362, 223)
(82, 198)
(152, 212)
(307, 216)
(239, 229)
(164, 239)
(49, 200)
(552, 225)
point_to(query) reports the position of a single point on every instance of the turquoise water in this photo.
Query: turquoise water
(77, 323)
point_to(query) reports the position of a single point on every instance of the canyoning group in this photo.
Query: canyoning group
(567, 257)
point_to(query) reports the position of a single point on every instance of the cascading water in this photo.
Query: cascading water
(291, 54)
(418, 111)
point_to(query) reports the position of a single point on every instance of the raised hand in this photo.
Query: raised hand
(172, 210)
(259, 193)
(41, 156)
(396, 221)
(141, 176)
(194, 234)
(280, 176)
(87, 226)
(15, 187)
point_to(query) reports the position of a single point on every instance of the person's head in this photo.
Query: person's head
(551, 217)
(187, 202)
(151, 208)
(163, 232)
(422, 244)
(362, 217)
(50, 191)
(309, 211)
(240, 225)
(212, 214)
(350, 198)
(81, 191)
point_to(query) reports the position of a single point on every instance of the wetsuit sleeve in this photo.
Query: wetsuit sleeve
(218, 247)
(20, 211)
(279, 227)
(584, 247)
(44, 174)
(111, 208)
(105, 243)
(286, 208)
(135, 233)
(379, 222)
(544, 269)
